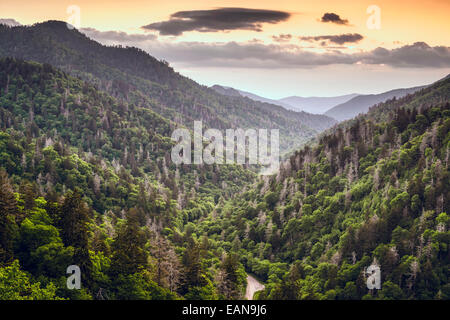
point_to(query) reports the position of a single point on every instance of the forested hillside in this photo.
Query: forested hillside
(374, 190)
(131, 75)
(87, 180)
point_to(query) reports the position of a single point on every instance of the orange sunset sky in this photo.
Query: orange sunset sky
(267, 64)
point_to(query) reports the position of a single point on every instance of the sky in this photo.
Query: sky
(271, 48)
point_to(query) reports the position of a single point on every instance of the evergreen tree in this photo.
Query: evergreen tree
(128, 249)
(74, 222)
(8, 213)
(231, 286)
(193, 270)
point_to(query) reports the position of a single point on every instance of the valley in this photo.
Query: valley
(88, 178)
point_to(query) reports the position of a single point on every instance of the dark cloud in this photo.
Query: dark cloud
(282, 38)
(255, 54)
(221, 19)
(10, 22)
(337, 39)
(333, 18)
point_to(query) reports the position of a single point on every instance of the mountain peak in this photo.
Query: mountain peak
(52, 23)
(227, 91)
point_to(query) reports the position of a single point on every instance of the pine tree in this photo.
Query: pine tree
(230, 277)
(29, 194)
(193, 271)
(8, 212)
(128, 250)
(74, 222)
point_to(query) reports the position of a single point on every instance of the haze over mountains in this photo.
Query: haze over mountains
(340, 107)
(315, 105)
(236, 92)
(362, 103)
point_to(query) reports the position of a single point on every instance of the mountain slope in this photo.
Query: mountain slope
(86, 179)
(374, 190)
(226, 91)
(362, 103)
(132, 75)
(58, 116)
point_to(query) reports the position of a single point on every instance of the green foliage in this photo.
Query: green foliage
(386, 204)
(15, 284)
(86, 179)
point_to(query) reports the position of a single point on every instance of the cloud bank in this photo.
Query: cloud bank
(117, 36)
(278, 55)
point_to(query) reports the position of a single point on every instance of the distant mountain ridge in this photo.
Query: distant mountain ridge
(362, 103)
(232, 92)
(340, 107)
(226, 91)
(314, 105)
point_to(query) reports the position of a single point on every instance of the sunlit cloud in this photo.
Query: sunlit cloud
(255, 54)
(10, 22)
